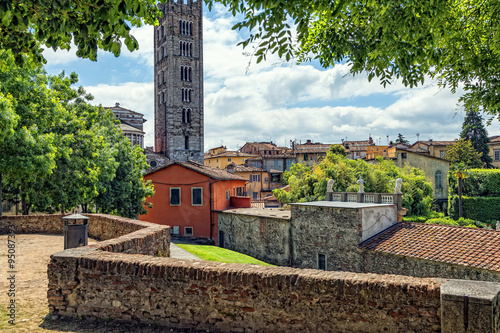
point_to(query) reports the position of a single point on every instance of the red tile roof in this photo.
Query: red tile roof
(203, 169)
(449, 244)
(229, 154)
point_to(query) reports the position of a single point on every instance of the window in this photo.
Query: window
(196, 196)
(255, 194)
(186, 142)
(186, 73)
(438, 179)
(255, 178)
(188, 231)
(305, 157)
(228, 194)
(186, 116)
(186, 95)
(403, 155)
(276, 163)
(496, 154)
(153, 164)
(441, 153)
(175, 196)
(322, 261)
(229, 159)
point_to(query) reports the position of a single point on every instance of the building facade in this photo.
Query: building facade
(178, 41)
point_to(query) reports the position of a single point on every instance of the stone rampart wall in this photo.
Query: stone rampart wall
(238, 298)
(265, 238)
(117, 234)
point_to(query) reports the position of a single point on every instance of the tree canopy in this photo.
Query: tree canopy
(58, 151)
(27, 25)
(309, 183)
(473, 130)
(463, 153)
(454, 41)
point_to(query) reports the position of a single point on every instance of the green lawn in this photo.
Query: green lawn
(215, 253)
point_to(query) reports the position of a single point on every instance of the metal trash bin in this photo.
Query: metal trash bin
(75, 234)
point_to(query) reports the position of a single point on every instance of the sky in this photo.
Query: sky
(274, 100)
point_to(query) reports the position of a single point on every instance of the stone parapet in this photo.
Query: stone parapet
(238, 298)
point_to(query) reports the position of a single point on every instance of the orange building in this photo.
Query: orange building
(188, 196)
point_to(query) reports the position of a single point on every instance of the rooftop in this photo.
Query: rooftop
(261, 212)
(203, 169)
(448, 244)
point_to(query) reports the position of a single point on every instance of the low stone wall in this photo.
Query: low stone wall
(238, 298)
(117, 234)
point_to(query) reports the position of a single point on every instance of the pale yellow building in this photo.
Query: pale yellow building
(495, 150)
(219, 157)
(432, 148)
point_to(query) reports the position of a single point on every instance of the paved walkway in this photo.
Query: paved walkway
(178, 253)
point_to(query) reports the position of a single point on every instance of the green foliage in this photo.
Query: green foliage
(338, 149)
(484, 209)
(309, 183)
(462, 152)
(62, 152)
(456, 42)
(401, 139)
(479, 183)
(90, 25)
(442, 221)
(474, 131)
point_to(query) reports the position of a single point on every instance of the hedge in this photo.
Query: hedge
(482, 209)
(479, 183)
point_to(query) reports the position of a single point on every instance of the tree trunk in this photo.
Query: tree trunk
(1, 206)
(24, 205)
(459, 197)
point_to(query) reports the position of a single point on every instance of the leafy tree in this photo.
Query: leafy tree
(309, 183)
(457, 42)
(474, 131)
(401, 139)
(338, 149)
(462, 152)
(60, 151)
(29, 147)
(89, 24)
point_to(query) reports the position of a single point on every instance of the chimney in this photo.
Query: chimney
(430, 142)
(370, 140)
(117, 104)
(308, 142)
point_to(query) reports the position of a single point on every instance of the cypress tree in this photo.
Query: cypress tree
(473, 130)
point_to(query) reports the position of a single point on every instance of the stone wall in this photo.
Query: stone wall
(238, 298)
(117, 234)
(265, 238)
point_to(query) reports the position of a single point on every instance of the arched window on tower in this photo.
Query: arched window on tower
(186, 142)
(188, 115)
(189, 76)
(190, 28)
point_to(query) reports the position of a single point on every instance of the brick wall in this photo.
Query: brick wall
(238, 298)
(117, 234)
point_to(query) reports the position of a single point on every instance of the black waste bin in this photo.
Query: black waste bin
(75, 233)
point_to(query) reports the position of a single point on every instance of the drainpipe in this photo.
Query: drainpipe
(210, 190)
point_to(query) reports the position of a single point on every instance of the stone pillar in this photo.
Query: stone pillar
(470, 306)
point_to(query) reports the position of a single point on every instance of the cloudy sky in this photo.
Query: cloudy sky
(272, 100)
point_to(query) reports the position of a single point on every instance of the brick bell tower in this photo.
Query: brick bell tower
(178, 44)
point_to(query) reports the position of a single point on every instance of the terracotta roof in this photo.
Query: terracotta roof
(127, 128)
(449, 244)
(435, 143)
(262, 145)
(242, 168)
(119, 108)
(230, 154)
(495, 139)
(203, 169)
(312, 148)
(358, 143)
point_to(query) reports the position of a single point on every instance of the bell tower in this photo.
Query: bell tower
(178, 42)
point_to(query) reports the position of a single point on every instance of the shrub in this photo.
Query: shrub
(476, 208)
(442, 220)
